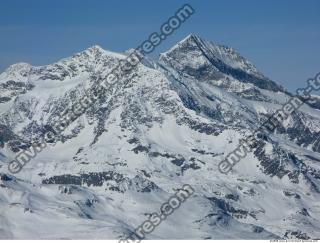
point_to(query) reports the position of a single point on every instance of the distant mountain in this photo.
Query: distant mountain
(172, 124)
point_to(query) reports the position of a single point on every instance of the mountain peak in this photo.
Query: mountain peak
(18, 66)
(95, 48)
(96, 52)
(205, 60)
(189, 37)
(18, 72)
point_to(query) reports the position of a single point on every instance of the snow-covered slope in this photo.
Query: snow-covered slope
(171, 125)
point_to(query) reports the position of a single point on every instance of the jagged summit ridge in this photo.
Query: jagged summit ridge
(223, 53)
(211, 59)
(215, 62)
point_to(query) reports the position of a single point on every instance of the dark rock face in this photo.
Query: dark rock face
(12, 89)
(5, 177)
(91, 179)
(296, 235)
(97, 179)
(228, 209)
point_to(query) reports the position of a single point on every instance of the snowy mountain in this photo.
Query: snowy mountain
(171, 125)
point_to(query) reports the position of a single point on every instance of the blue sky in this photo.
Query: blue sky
(281, 37)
